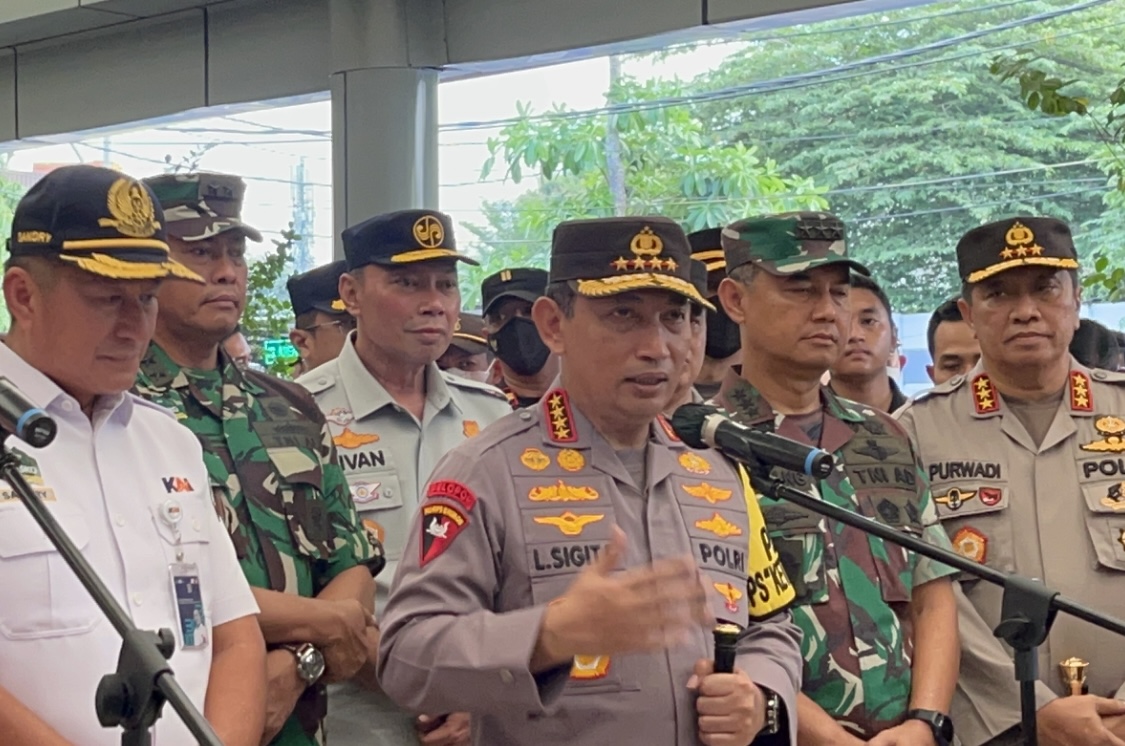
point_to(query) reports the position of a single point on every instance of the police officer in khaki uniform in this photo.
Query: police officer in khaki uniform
(392, 412)
(1026, 455)
(507, 602)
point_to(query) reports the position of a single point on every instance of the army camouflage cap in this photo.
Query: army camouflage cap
(707, 247)
(469, 334)
(608, 256)
(1015, 242)
(317, 290)
(200, 205)
(396, 239)
(788, 243)
(98, 220)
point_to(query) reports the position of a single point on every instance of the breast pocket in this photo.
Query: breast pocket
(977, 521)
(1106, 523)
(798, 538)
(894, 564)
(379, 500)
(187, 540)
(41, 595)
(592, 673)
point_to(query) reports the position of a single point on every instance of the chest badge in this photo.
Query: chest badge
(694, 463)
(730, 594)
(470, 428)
(350, 440)
(570, 524)
(719, 526)
(561, 492)
(1112, 430)
(590, 667)
(971, 544)
(571, 460)
(705, 491)
(534, 459)
(955, 498)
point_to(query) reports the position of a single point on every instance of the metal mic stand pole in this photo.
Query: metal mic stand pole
(1028, 607)
(132, 696)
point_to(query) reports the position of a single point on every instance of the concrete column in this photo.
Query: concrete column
(384, 107)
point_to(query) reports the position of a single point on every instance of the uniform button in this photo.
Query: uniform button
(323, 381)
(1099, 374)
(195, 524)
(67, 405)
(525, 415)
(956, 380)
(388, 493)
(120, 520)
(138, 599)
(506, 676)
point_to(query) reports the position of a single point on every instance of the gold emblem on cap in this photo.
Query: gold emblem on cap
(505, 275)
(133, 212)
(646, 243)
(429, 232)
(1020, 242)
(338, 305)
(457, 326)
(33, 237)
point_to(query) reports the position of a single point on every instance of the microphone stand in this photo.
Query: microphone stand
(1027, 610)
(132, 696)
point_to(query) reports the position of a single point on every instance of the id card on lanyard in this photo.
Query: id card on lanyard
(186, 589)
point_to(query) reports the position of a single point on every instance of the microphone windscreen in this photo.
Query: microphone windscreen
(688, 421)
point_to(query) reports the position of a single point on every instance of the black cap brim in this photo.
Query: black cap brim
(524, 295)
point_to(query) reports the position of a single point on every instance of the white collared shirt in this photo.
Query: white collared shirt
(110, 483)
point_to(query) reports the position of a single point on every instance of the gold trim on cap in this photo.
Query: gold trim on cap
(421, 255)
(471, 338)
(648, 281)
(1041, 261)
(338, 305)
(116, 243)
(119, 269)
(709, 254)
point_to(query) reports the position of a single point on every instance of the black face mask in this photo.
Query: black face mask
(723, 339)
(519, 346)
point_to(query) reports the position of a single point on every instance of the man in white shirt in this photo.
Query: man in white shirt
(125, 481)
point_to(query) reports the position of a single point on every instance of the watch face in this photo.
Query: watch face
(312, 664)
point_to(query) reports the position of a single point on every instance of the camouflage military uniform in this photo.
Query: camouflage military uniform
(276, 486)
(853, 590)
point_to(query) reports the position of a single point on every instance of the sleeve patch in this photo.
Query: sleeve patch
(440, 526)
(454, 491)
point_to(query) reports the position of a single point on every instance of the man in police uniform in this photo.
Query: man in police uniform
(723, 337)
(507, 600)
(1025, 457)
(525, 367)
(393, 413)
(126, 483)
(270, 463)
(879, 622)
(468, 354)
(322, 323)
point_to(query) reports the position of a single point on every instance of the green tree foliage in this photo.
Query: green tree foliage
(1105, 112)
(267, 313)
(653, 161)
(895, 118)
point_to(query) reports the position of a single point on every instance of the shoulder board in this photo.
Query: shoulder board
(320, 378)
(1108, 376)
(468, 383)
(942, 389)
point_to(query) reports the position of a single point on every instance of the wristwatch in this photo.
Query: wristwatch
(310, 662)
(773, 713)
(939, 723)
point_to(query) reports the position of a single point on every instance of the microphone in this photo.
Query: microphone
(21, 418)
(726, 647)
(703, 426)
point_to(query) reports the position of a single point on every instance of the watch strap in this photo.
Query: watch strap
(939, 723)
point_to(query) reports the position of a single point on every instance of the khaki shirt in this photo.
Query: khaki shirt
(386, 453)
(510, 519)
(1056, 512)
